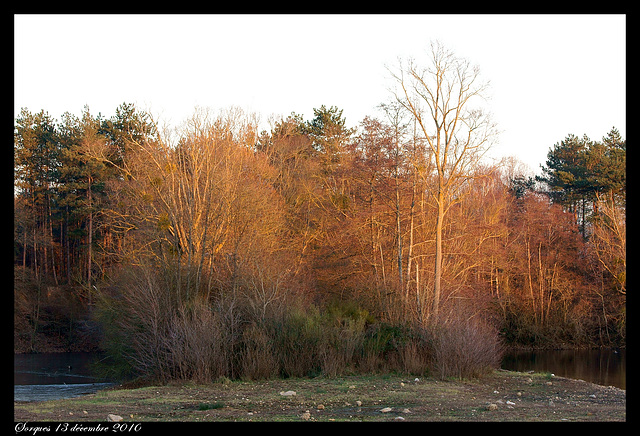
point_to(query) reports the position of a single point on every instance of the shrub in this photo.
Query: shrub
(154, 331)
(464, 347)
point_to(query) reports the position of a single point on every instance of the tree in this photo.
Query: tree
(441, 98)
(328, 133)
(578, 170)
(565, 175)
(36, 174)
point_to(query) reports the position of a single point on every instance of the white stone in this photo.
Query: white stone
(386, 410)
(114, 418)
(288, 393)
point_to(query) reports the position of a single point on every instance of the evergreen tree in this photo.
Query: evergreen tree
(329, 134)
(36, 173)
(578, 170)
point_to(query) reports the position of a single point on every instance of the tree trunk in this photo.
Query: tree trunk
(90, 239)
(438, 261)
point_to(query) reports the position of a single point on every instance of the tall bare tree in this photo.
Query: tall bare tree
(443, 99)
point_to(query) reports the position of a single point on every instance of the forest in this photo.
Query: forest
(214, 249)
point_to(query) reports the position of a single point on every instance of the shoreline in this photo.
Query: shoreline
(500, 396)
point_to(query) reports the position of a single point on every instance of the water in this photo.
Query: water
(50, 376)
(605, 367)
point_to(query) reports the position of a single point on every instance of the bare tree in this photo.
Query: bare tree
(442, 97)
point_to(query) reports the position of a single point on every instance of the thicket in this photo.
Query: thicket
(149, 334)
(215, 250)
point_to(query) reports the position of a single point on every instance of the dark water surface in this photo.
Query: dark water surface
(49, 376)
(605, 367)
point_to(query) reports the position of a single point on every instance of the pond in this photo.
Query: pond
(605, 367)
(50, 376)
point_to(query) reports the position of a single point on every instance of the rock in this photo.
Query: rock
(406, 411)
(288, 393)
(492, 406)
(306, 415)
(358, 403)
(320, 406)
(114, 418)
(398, 418)
(519, 394)
(401, 384)
(510, 403)
(386, 410)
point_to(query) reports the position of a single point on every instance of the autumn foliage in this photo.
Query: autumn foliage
(215, 250)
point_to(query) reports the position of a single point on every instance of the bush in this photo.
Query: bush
(154, 333)
(464, 347)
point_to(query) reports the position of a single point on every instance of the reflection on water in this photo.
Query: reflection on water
(605, 367)
(55, 392)
(49, 376)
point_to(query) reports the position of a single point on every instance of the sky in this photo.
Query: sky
(550, 75)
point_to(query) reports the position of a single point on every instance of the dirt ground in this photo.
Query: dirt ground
(501, 396)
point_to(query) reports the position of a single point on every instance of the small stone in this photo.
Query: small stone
(592, 395)
(510, 403)
(519, 394)
(352, 387)
(320, 406)
(406, 411)
(416, 380)
(492, 406)
(358, 403)
(306, 415)
(549, 383)
(386, 410)
(288, 393)
(114, 418)
(398, 418)
(401, 384)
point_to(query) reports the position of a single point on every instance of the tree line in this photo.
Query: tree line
(216, 242)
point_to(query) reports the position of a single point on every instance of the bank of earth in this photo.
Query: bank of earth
(500, 396)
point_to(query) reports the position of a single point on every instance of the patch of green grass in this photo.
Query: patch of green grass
(210, 406)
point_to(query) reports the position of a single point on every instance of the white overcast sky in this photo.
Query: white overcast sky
(551, 75)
